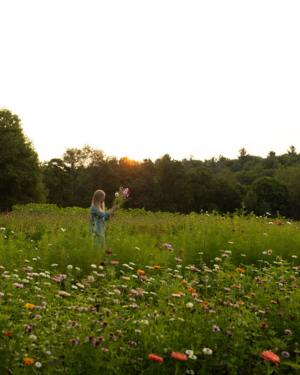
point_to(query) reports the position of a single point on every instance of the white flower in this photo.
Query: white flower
(93, 266)
(132, 263)
(189, 305)
(150, 267)
(54, 265)
(77, 268)
(100, 267)
(189, 352)
(38, 364)
(63, 230)
(135, 276)
(137, 248)
(74, 287)
(294, 256)
(207, 351)
(27, 261)
(48, 352)
(32, 337)
(69, 267)
(2, 228)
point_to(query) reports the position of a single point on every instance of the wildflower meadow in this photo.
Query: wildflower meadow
(169, 294)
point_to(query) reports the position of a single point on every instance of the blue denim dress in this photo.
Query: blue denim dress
(97, 229)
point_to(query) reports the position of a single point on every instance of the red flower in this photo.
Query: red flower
(179, 356)
(9, 333)
(156, 358)
(270, 356)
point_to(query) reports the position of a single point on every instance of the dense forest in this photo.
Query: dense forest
(270, 184)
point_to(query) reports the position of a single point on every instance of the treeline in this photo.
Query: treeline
(268, 184)
(264, 185)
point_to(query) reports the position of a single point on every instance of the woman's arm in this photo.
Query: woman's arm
(116, 207)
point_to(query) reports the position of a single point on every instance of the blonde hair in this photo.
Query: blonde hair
(96, 200)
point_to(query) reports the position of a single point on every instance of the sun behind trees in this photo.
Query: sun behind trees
(262, 184)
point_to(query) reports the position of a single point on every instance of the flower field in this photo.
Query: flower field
(170, 294)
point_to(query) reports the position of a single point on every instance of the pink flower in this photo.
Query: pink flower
(100, 275)
(178, 260)
(114, 262)
(108, 252)
(91, 278)
(288, 332)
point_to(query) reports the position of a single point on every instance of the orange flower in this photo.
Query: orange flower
(191, 290)
(156, 358)
(269, 253)
(183, 282)
(206, 303)
(252, 294)
(9, 333)
(179, 356)
(220, 300)
(240, 270)
(180, 293)
(241, 303)
(30, 306)
(140, 272)
(236, 286)
(270, 356)
(28, 361)
(231, 276)
(157, 267)
(263, 325)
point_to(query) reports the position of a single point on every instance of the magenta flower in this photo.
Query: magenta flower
(73, 341)
(178, 260)
(288, 332)
(285, 354)
(144, 278)
(108, 252)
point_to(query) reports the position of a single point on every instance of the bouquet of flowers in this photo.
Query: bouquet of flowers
(121, 196)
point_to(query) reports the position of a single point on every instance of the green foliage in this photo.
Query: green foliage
(219, 287)
(20, 174)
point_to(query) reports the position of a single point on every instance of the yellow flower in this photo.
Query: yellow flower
(157, 267)
(28, 361)
(30, 306)
(222, 218)
(125, 278)
(240, 270)
(270, 252)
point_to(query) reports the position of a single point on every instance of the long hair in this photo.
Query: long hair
(96, 200)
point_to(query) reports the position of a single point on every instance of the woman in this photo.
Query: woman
(98, 217)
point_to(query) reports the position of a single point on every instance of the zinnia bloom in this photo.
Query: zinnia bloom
(156, 358)
(179, 356)
(240, 270)
(140, 272)
(9, 333)
(28, 361)
(30, 306)
(270, 356)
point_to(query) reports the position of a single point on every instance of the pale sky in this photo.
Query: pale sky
(146, 78)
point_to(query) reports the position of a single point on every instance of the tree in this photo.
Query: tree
(273, 192)
(20, 172)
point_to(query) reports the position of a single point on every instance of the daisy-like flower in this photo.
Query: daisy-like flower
(270, 356)
(207, 351)
(38, 364)
(179, 356)
(73, 341)
(28, 361)
(156, 358)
